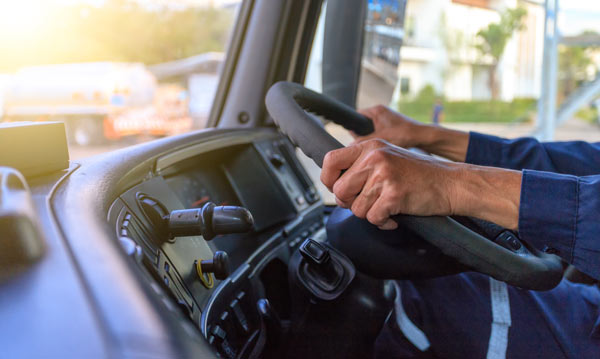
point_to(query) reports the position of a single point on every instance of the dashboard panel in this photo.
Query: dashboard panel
(261, 175)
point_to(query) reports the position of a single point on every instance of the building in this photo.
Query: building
(439, 50)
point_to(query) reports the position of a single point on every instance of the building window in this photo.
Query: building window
(404, 85)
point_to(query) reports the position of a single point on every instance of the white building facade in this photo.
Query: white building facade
(439, 50)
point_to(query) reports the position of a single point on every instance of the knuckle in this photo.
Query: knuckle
(377, 155)
(358, 209)
(375, 217)
(340, 189)
(329, 156)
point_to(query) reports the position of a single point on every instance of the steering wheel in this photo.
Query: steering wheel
(290, 105)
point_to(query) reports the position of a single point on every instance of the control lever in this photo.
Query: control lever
(321, 266)
(321, 270)
(271, 320)
(209, 221)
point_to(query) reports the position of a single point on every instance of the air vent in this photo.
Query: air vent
(130, 226)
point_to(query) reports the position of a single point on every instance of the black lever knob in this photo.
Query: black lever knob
(271, 320)
(231, 219)
(209, 221)
(219, 265)
(320, 262)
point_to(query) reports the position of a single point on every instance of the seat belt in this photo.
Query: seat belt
(501, 320)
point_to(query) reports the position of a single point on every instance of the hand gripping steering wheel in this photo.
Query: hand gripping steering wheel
(289, 103)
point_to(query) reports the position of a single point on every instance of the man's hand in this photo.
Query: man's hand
(382, 180)
(394, 127)
(377, 180)
(405, 132)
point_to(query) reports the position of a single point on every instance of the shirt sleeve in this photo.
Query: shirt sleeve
(562, 213)
(573, 157)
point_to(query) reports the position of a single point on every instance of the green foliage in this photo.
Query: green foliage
(119, 30)
(588, 114)
(471, 111)
(495, 37)
(573, 62)
(427, 94)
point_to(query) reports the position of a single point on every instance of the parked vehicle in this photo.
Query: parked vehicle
(85, 96)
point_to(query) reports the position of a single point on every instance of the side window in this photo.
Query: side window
(115, 72)
(479, 64)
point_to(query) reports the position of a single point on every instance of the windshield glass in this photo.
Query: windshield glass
(116, 72)
(507, 68)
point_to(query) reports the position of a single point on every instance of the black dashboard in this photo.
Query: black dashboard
(259, 173)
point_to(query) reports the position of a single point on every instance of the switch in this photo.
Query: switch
(509, 241)
(314, 251)
(239, 315)
(276, 160)
(222, 343)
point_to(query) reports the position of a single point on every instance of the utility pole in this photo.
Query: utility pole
(546, 118)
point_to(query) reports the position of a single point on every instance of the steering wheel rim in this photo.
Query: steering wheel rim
(288, 104)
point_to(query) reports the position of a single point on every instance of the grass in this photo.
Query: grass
(517, 110)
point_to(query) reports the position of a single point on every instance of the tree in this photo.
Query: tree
(495, 36)
(574, 63)
(116, 30)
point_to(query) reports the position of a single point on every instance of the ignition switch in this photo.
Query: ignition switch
(219, 266)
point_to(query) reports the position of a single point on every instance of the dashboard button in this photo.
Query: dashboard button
(218, 332)
(276, 160)
(222, 343)
(224, 316)
(242, 321)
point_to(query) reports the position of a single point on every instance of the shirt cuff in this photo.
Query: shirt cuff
(548, 212)
(485, 150)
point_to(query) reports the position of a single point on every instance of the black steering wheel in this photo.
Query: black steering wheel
(289, 105)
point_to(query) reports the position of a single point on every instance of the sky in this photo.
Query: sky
(577, 16)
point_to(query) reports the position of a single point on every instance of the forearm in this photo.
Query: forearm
(574, 157)
(487, 193)
(451, 144)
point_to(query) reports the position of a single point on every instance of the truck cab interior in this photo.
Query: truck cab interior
(217, 242)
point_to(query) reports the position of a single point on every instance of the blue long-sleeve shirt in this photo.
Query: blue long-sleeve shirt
(560, 193)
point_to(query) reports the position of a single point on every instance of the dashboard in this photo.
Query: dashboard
(259, 173)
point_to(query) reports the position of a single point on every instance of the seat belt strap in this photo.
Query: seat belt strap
(501, 320)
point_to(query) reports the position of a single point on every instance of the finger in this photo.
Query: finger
(389, 225)
(341, 203)
(351, 183)
(336, 161)
(364, 201)
(380, 213)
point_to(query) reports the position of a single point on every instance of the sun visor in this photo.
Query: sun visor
(34, 148)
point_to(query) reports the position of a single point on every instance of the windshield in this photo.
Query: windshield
(116, 72)
(507, 68)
